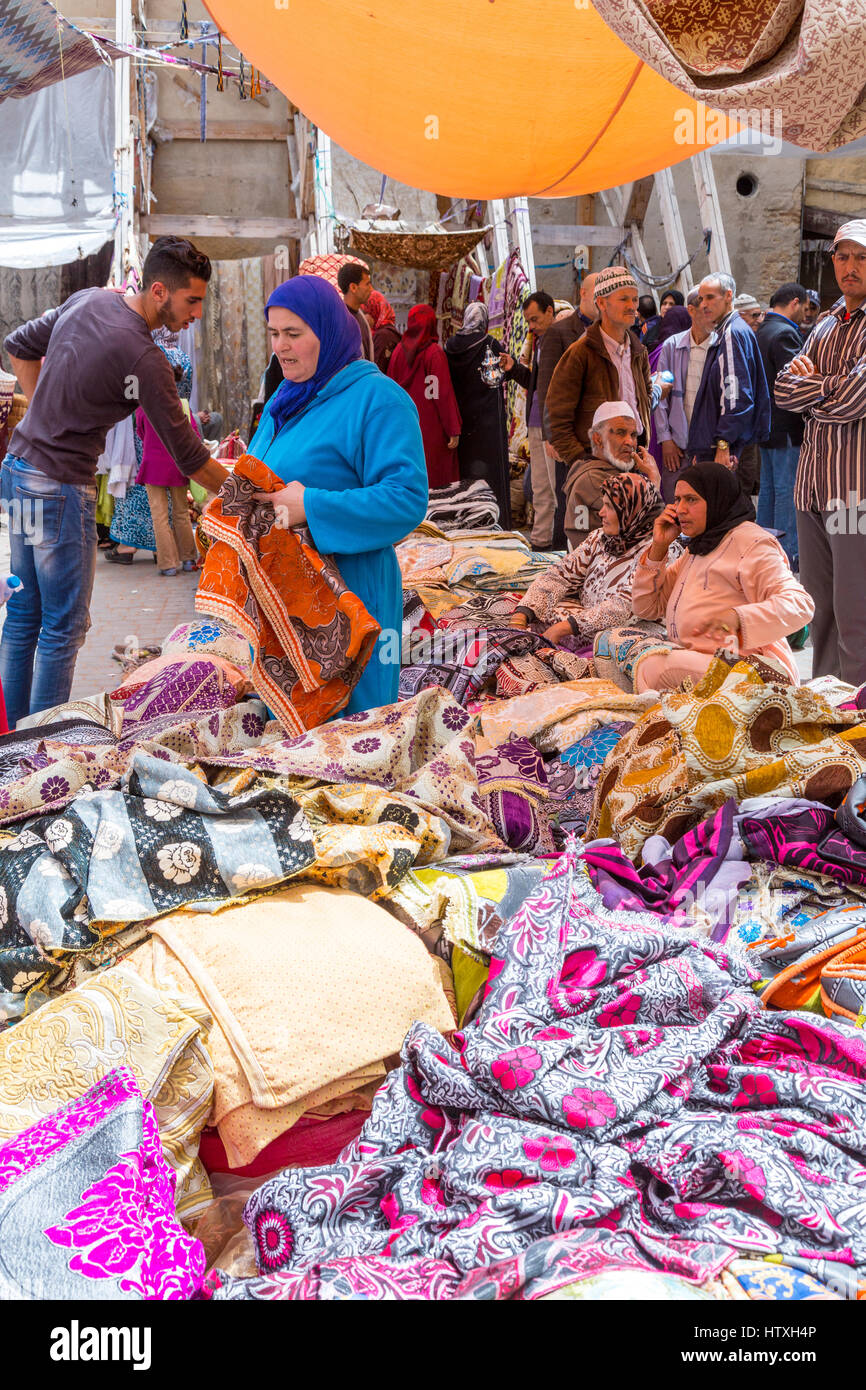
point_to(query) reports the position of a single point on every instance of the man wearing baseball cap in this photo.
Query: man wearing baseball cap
(613, 450)
(608, 363)
(827, 384)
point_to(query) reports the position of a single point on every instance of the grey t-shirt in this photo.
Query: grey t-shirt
(101, 363)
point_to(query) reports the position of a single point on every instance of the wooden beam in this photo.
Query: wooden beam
(611, 200)
(217, 130)
(195, 225)
(710, 209)
(586, 234)
(856, 190)
(675, 237)
(323, 195)
(522, 231)
(501, 239)
(639, 255)
(637, 200)
(822, 222)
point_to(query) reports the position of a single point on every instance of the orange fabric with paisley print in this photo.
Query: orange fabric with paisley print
(310, 636)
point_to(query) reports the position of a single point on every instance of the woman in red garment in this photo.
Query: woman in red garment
(420, 366)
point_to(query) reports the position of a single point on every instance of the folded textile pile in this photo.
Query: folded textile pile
(697, 879)
(310, 990)
(51, 1058)
(732, 736)
(560, 715)
(572, 775)
(311, 637)
(117, 857)
(421, 750)
(463, 506)
(621, 1095)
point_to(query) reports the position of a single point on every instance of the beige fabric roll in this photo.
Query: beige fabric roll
(310, 990)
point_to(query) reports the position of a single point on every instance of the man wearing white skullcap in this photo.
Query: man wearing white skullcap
(614, 449)
(827, 384)
(607, 363)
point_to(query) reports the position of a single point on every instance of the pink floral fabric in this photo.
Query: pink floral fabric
(87, 1205)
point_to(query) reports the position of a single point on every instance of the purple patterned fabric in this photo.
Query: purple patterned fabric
(621, 1088)
(811, 840)
(183, 688)
(704, 868)
(512, 783)
(87, 1205)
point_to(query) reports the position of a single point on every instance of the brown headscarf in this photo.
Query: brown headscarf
(637, 504)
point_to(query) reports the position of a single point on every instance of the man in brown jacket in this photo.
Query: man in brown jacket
(557, 340)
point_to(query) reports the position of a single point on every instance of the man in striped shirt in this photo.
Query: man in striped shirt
(827, 384)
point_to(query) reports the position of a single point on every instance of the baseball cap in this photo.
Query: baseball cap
(852, 231)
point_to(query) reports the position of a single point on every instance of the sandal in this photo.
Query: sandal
(114, 557)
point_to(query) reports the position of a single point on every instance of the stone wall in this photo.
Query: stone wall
(762, 227)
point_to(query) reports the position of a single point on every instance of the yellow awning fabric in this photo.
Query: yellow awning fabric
(471, 98)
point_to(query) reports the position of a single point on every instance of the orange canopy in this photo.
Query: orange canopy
(471, 98)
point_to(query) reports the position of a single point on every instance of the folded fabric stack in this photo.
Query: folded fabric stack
(463, 506)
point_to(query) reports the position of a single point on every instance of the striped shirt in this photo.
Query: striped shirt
(832, 463)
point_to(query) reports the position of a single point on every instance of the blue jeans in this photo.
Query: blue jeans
(52, 531)
(776, 497)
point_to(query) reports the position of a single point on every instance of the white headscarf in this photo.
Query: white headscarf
(475, 319)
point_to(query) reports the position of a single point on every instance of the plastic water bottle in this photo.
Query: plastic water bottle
(667, 377)
(10, 585)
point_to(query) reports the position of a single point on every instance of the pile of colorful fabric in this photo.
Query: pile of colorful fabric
(463, 506)
(525, 986)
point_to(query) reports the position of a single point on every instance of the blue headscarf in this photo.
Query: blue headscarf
(322, 308)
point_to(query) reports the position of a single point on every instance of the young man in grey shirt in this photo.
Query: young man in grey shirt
(84, 367)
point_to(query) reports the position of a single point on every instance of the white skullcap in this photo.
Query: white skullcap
(612, 410)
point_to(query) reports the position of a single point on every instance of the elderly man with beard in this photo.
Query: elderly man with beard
(613, 450)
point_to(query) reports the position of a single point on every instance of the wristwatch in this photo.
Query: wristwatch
(723, 445)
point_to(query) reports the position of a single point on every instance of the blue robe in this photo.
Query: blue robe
(358, 451)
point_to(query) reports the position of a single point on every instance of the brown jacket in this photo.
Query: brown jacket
(583, 380)
(558, 338)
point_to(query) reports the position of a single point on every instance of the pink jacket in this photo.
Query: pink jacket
(157, 465)
(747, 571)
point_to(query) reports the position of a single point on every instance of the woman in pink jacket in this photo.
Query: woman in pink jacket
(175, 542)
(733, 588)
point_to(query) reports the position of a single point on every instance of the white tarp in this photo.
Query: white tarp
(58, 158)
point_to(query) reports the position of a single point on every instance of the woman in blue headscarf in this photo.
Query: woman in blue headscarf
(347, 443)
